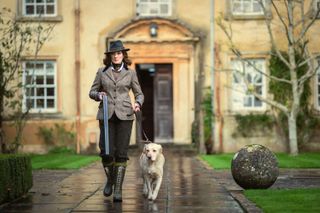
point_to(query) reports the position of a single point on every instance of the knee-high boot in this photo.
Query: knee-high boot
(118, 180)
(109, 170)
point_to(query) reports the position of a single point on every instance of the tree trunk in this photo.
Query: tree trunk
(293, 142)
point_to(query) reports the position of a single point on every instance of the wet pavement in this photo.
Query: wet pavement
(188, 186)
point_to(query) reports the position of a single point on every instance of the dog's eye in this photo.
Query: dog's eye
(154, 150)
(148, 150)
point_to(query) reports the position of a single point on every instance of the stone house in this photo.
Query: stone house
(170, 49)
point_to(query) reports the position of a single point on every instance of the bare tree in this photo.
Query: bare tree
(18, 40)
(293, 23)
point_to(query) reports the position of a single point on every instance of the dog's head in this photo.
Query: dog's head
(152, 151)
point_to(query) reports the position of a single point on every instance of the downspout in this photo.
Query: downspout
(212, 73)
(219, 115)
(77, 70)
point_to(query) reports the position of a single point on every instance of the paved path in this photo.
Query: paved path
(187, 187)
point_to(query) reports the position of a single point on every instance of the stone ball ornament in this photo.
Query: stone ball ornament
(254, 167)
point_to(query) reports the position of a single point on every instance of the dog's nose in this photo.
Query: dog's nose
(149, 157)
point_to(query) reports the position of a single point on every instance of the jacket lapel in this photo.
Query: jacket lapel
(109, 74)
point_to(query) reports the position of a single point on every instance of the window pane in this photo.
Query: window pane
(247, 101)
(258, 78)
(40, 91)
(40, 80)
(29, 1)
(237, 7)
(257, 102)
(258, 89)
(39, 66)
(257, 7)
(50, 103)
(50, 91)
(30, 103)
(30, 92)
(29, 80)
(29, 9)
(164, 8)
(40, 9)
(50, 1)
(49, 65)
(50, 79)
(40, 1)
(40, 103)
(249, 78)
(50, 9)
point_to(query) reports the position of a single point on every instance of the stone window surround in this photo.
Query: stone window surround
(263, 84)
(170, 9)
(53, 110)
(317, 85)
(22, 17)
(229, 15)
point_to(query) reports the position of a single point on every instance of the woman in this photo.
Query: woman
(115, 80)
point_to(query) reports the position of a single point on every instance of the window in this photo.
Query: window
(246, 7)
(242, 99)
(154, 7)
(317, 7)
(39, 79)
(318, 83)
(39, 8)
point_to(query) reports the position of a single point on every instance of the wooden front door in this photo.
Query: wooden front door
(163, 107)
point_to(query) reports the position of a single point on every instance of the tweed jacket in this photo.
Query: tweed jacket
(119, 101)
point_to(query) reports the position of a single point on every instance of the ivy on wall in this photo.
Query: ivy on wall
(306, 121)
(253, 124)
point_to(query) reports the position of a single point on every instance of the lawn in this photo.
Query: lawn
(61, 161)
(286, 200)
(303, 160)
(279, 200)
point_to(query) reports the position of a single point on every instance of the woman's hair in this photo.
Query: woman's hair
(127, 62)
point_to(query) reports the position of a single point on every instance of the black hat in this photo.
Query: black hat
(116, 46)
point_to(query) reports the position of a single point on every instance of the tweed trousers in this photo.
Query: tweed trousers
(119, 139)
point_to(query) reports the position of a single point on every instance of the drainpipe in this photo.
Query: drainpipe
(77, 70)
(212, 71)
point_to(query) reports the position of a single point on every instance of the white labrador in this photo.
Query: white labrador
(151, 163)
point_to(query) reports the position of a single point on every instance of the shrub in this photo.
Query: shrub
(15, 176)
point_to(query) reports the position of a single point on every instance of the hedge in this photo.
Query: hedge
(15, 176)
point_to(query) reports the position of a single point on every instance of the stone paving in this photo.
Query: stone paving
(188, 186)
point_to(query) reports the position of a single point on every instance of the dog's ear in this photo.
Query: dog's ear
(144, 149)
(160, 150)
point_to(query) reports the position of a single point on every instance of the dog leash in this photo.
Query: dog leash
(139, 121)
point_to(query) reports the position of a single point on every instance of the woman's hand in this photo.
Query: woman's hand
(136, 107)
(101, 94)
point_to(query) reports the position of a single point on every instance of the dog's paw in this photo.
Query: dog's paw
(153, 197)
(150, 196)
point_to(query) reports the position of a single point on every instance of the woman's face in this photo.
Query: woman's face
(117, 57)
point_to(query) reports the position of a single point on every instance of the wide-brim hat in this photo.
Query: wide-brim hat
(116, 46)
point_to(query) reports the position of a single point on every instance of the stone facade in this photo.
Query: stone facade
(82, 31)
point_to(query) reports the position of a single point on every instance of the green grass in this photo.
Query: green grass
(303, 160)
(61, 161)
(286, 200)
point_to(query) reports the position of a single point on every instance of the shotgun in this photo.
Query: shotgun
(106, 124)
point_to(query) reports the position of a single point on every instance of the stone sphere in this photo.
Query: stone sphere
(254, 167)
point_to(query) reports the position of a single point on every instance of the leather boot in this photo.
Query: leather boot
(118, 178)
(109, 170)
